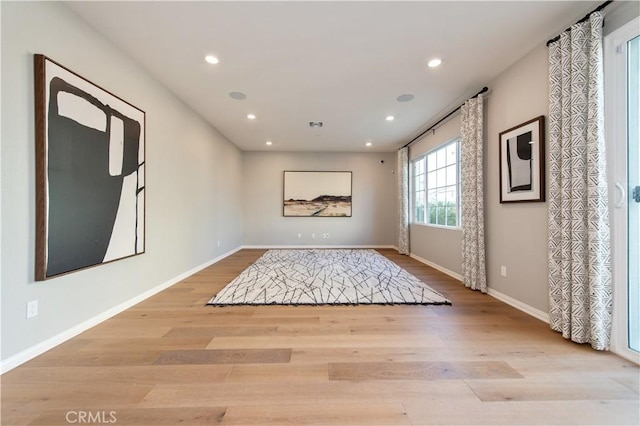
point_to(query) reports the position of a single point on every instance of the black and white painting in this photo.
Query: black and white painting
(317, 194)
(522, 175)
(90, 195)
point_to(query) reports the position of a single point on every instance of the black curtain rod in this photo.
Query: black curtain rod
(484, 89)
(597, 9)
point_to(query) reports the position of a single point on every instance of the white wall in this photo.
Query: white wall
(373, 209)
(516, 233)
(201, 189)
(619, 13)
(438, 245)
(194, 181)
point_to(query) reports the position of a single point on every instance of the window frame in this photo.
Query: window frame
(616, 127)
(425, 188)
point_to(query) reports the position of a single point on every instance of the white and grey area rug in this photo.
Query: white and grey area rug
(326, 277)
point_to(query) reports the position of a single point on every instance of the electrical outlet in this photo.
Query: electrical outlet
(32, 309)
(503, 271)
(328, 235)
(313, 235)
(218, 243)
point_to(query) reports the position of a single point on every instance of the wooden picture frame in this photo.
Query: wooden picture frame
(90, 173)
(522, 162)
(316, 194)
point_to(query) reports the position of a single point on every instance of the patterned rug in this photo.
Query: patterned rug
(326, 277)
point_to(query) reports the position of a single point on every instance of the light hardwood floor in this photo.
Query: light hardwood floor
(172, 360)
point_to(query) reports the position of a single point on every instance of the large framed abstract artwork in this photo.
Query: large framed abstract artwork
(90, 173)
(522, 171)
(317, 194)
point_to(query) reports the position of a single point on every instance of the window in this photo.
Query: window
(435, 186)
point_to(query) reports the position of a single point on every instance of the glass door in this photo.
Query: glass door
(633, 170)
(622, 113)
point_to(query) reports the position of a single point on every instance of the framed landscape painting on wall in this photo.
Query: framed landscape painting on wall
(90, 173)
(317, 194)
(522, 175)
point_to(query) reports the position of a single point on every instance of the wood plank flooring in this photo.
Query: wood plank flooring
(173, 360)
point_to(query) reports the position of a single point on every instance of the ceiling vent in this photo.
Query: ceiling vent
(239, 96)
(316, 124)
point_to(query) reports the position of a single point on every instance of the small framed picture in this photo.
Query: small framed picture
(522, 172)
(316, 194)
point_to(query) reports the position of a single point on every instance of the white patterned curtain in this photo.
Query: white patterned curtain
(580, 288)
(403, 200)
(471, 147)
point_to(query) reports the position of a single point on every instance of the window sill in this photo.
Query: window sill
(429, 225)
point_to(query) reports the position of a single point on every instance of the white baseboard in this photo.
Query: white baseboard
(32, 352)
(314, 246)
(436, 266)
(536, 313)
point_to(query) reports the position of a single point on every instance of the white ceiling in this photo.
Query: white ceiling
(342, 63)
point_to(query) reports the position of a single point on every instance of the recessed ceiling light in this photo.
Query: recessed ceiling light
(390, 118)
(368, 144)
(434, 62)
(269, 143)
(211, 59)
(239, 96)
(251, 116)
(405, 98)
